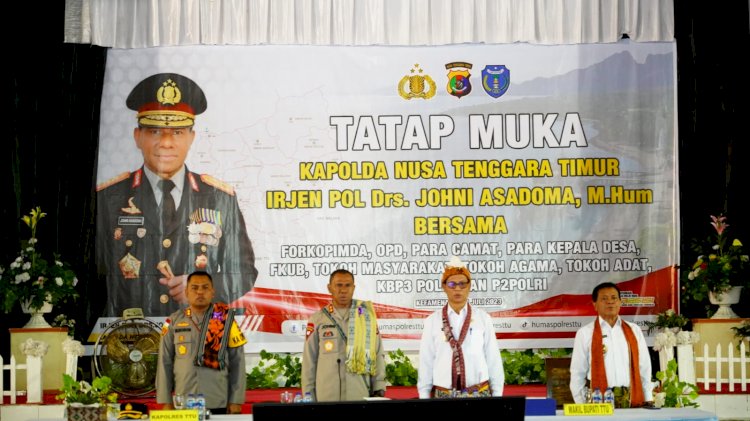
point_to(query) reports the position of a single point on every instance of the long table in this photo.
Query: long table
(639, 414)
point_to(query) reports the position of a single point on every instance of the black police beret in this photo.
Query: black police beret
(167, 100)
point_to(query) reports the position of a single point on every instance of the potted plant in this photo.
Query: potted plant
(83, 399)
(668, 320)
(719, 271)
(34, 282)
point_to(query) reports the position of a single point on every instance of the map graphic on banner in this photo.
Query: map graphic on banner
(548, 169)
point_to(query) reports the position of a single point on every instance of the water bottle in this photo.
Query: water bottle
(190, 403)
(597, 396)
(307, 398)
(201, 406)
(609, 397)
(297, 397)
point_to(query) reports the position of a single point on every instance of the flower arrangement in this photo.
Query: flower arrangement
(62, 320)
(32, 280)
(668, 339)
(99, 391)
(718, 267)
(667, 320)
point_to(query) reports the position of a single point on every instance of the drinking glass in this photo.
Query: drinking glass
(178, 399)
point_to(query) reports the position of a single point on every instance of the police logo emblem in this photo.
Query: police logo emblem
(328, 346)
(458, 79)
(418, 86)
(495, 80)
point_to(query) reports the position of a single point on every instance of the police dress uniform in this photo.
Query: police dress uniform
(209, 233)
(177, 372)
(324, 372)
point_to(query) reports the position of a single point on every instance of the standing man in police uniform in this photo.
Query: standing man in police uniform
(201, 351)
(343, 354)
(162, 221)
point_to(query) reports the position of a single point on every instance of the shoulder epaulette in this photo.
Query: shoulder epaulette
(114, 180)
(215, 182)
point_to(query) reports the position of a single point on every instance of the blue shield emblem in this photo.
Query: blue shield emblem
(495, 80)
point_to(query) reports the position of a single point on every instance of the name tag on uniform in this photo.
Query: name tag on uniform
(130, 220)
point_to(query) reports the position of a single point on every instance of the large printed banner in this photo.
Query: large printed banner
(548, 169)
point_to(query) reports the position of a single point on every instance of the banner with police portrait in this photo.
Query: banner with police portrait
(546, 169)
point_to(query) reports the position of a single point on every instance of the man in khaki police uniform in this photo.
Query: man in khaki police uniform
(343, 353)
(201, 351)
(160, 222)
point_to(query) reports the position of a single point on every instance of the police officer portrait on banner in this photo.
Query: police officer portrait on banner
(162, 221)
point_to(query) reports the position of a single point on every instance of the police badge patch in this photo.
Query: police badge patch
(458, 78)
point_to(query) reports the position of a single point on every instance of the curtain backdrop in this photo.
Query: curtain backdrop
(152, 23)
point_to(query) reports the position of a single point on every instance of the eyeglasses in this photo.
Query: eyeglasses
(459, 285)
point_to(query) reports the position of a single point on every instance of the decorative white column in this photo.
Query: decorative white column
(72, 349)
(666, 354)
(686, 363)
(34, 351)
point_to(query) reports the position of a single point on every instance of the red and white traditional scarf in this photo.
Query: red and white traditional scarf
(458, 371)
(599, 373)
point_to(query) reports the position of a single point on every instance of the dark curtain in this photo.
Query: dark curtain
(51, 120)
(50, 127)
(712, 91)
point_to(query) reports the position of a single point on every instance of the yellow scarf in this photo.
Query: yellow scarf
(361, 346)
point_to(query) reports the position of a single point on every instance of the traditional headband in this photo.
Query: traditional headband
(455, 267)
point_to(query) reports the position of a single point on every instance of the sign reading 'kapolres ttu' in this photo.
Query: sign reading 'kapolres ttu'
(547, 169)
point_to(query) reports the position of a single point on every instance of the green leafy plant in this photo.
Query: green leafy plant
(666, 320)
(674, 393)
(273, 368)
(741, 332)
(31, 279)
(99, 391)
(400, 371)
(527, 366)
(718, 267)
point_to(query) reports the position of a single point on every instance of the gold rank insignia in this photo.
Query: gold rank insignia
(182, 350)
(215, 182)
(130, 266)
(328, 346)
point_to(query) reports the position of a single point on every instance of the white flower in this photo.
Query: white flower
(34, 348)
(71, 346)
(15, 265)
(2, 270)
(29, 248)
(59, 281)
(27, 266)
(19, 259)
(22, 277)
(32, 240)
(75, 281)
(58, 263)
(664, 339)
(715, 247)
(85, 386)
(669, 312)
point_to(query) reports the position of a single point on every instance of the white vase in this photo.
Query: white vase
(37, 315)
(725, 301)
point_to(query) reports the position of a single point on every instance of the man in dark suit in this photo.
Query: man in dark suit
(161, 222)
